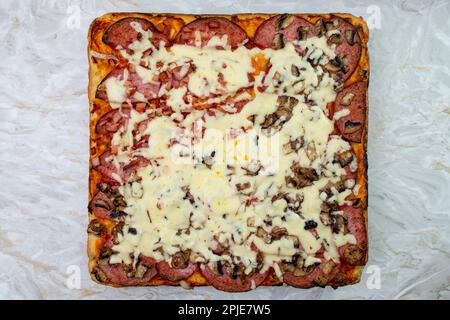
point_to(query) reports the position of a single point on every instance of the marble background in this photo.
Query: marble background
(44, 149)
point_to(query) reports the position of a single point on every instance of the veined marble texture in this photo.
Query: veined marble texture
(44, 114)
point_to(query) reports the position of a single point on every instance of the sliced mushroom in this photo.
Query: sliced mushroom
(243, 186)
(100, 203)
(347, 99)
(302, 33)
(354, 254)
(119, 202)
(335, 38)
(118, 229)
(326, 218)
(117, 214)
(303, 177)
(140, 271)
(295, 71)
(100, 275)
(278, 232)
(319, 28)
(292, 146)
(283, 113)
(103, 187)
(339, 224)
(352, 126)
(331, 25)
(278, 41)
(251, 222)
(311, 152)
(261, 233)
(294, 239)
(96, 228)
(285, 21)
(344, 158)
(350, 36)
(180, 260)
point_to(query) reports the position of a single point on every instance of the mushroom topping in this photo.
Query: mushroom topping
(352, 126)
(354, 254)
(100, 203)
(326, 212)
(322, 280)
(344, 158)
(278, 232)
(302, 177)
(295, 71)
(243, 186)
(350, 36)
(117, 214)
(311, 152)
(238, 271)
(118, 229)
(319, 28)
(180, 260)
(103, 187)
(119, 202)
(251, 222)
(100, 275)
(335, 65)
(331, 25)
(283, 114)
(96, 228)
(297, 266)
(292, 146)
(335, 38)
(252, 170)
(261, 233)
(302, 33)
(339, 224)
(294, 240)
(140, 270)
(285, 21)
(347, 99)
(278, 41)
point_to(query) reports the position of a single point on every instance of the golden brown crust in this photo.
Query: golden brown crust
(170, 24)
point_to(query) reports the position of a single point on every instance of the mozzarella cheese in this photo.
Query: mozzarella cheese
(213, 173)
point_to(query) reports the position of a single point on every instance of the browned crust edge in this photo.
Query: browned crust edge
(171, 24)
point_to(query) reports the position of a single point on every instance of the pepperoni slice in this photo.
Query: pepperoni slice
(348, 46)
(174, 274)
(133, 84)
(352, 98)
(226, 282)
(208, 28)
(276, 31)
(122, 33)
(355, 254)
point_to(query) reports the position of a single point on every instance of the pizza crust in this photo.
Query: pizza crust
(170, 24)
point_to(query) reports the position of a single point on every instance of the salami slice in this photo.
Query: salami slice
(355, 254)
(121, 275)
(320, 275)
(277, 31)
(347, 41)
(133, 84)
(208, 28)
(226, 282)
(174, 274)
(352, 98)
(122, 33)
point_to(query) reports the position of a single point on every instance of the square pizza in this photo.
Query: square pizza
(228, 150)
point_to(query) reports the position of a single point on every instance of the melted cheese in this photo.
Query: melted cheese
(211, 172)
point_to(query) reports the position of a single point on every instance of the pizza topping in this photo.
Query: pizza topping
(238, 188)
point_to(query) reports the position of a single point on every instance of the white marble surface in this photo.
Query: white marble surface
(44, 148)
